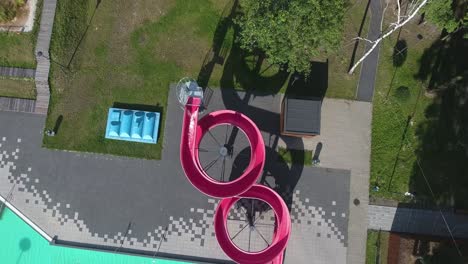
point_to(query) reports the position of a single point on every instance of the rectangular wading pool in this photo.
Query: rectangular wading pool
(21, 244)
(131, 125)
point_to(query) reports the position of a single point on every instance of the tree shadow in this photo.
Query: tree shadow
(444, 60)
(139, 107)
(24, 245)
(219, 47)
(277, 174)
(242, 69)
(313, 85)
(356, 43)
(402, 93)
(251, 72)
(400, 52)
(247, 70)
(58, 122)
(443, 149)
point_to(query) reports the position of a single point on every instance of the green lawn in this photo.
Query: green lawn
(421, 88)
(396, 97)
(17, 88)
(248, 71)
(17, 49)
(129, 60)
(340, 83)
(293, 156)
(377, 247)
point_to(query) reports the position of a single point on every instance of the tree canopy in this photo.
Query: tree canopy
(291, 32)
(447, 14)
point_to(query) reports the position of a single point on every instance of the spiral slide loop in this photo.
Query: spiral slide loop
(243, 187)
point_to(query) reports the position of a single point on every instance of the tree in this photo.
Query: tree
(414, 7)
(443, 14)
(291, 32)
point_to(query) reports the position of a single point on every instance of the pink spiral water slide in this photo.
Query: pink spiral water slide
(230, 192)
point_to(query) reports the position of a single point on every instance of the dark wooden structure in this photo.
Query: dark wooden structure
(300, 116)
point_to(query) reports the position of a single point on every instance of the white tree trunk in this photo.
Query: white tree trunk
(397, 25)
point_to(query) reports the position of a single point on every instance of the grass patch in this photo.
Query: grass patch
(17, 88)
(245, 71)
(132, 58)
(294, 156)
(430, 135)
(9, 9)
(17, 49)
(340, 83)
(377, 247)
(393, 136)
(129, 59)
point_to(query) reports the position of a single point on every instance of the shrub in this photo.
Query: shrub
(9, 8)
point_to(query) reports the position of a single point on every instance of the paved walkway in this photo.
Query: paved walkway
(345, 144)
(417, 221)
(17, 72)
(95, 199)
(365, 91)
(17, 104)
(43, 62)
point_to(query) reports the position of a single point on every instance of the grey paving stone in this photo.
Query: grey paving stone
(112, 194)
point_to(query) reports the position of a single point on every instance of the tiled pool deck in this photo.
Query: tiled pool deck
(21, 244)
(129, 204)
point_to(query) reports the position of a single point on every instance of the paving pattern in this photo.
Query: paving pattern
(17, 72)
(417, 221)
(43, 62)
(131, 204)
(345, 140)
(17, 104)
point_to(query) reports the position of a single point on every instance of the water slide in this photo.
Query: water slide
(245, 186)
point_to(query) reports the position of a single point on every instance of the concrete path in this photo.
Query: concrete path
(17, 72)
(43, 62)
(365, 90)
(17, 105)
(93, 200)
(345, 140)
(417, 221)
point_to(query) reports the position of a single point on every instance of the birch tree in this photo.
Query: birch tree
(401, 19)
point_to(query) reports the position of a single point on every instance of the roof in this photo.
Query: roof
(302, 116)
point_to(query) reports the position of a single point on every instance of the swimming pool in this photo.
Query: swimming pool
(20, 244)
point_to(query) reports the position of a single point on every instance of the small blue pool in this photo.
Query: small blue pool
(131, 125)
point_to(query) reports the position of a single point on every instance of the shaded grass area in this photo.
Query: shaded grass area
(398, 95)
(17, 49)
(419, 119)
(17, 88)
(251, 71)
(124, 59)
(293, 156)
(443, 148)
(340, 83)
(377, 247)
